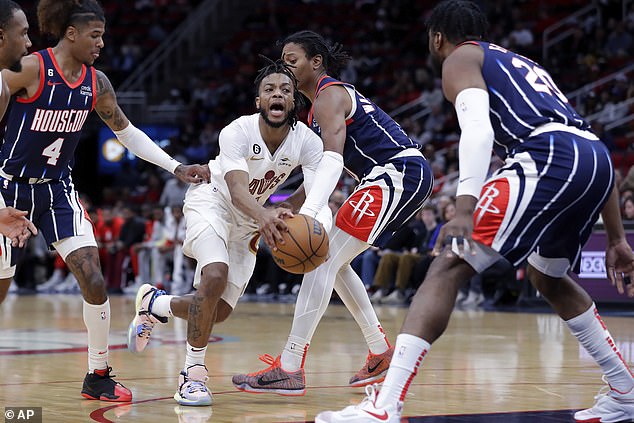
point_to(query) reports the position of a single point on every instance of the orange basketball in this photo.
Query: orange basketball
(305, 245)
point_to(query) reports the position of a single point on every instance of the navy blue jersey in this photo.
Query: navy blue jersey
(43, 131)
(522, 97)
(372, 137)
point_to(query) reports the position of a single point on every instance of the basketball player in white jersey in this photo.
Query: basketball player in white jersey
(226, 218)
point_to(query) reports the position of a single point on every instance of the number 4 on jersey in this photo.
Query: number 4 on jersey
(53, 150)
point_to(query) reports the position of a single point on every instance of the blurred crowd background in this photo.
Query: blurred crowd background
(136, 208)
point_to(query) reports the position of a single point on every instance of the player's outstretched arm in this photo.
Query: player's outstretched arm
(619, 259)
(15, 226)
(136, 140)
(270, 221)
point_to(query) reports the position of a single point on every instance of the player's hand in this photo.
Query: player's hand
(454, 235)
(619, 266)
(271, 223)
(193, 174)
(15, 226)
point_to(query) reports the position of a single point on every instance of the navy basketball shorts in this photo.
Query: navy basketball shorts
(53, 207)
(542, 204)
(386, 198)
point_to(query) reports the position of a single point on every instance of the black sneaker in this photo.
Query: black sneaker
(100, 386)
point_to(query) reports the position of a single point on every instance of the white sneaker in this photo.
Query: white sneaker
(473, 300)
(377, 296)
(144, 320)
(366, 412)
(611, 407)
(395, 298)
(192, 388)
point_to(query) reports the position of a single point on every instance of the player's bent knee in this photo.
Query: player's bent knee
(213, 280)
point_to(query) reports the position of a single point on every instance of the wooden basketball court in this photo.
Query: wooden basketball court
(487, 362)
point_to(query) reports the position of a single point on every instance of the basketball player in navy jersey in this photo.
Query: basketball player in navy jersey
(55, 90)
(394, 181)
(14, 44)
(540, 206)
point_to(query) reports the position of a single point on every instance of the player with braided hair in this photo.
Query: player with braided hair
(394, 181)
(53, 94)
(226, 218)
(539, 207)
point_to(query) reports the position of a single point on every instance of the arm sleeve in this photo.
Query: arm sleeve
(233, 149)
(329, 171)
(476, 140)
(311, 157)
(141, 145)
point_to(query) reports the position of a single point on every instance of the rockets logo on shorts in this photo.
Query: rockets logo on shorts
(358, 215)
(490, 211)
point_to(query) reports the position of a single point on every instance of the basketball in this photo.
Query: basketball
(305, 245)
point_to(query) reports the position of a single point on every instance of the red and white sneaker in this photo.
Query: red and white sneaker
(365, 412)
(374, 370)
(141, 326)
(610, 407)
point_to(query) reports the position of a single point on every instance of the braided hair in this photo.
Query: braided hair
(55, 16)
(278, 66)
(458, 20)
(334, 58)
(7, 9)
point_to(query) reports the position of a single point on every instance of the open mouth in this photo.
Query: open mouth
(276, 109)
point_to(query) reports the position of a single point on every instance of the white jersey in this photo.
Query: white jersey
(242, 148)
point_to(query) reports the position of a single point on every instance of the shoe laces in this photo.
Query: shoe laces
(106, 374)
(273, 362)
(371, 392)
(195, 385)
(146, 328)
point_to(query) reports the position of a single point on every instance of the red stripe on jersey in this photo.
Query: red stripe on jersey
(490, 211)
(359, 214)
(93, 72)
(40, 87)
(79, 80)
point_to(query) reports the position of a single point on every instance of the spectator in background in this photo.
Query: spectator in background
(132, 232)
(173, 194)
(400, 250)
(107, 233)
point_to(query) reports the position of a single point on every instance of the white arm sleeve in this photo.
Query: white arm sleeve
(476, 140)
(328, 171)
(141, 145)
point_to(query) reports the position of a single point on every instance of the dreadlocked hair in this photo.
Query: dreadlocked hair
(7, 9)
(278, 66)
(458, 20)
(334, 58)
(54, 16)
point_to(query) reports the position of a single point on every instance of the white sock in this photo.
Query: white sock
(294, 354)
(195, 355)
(409, 353)
(352, 292)
(97, 321)
(162, 306)
(592, 333)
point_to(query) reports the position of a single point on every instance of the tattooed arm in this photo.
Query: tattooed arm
(136, 140)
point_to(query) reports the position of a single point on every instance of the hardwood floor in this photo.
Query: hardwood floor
(487, 362)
